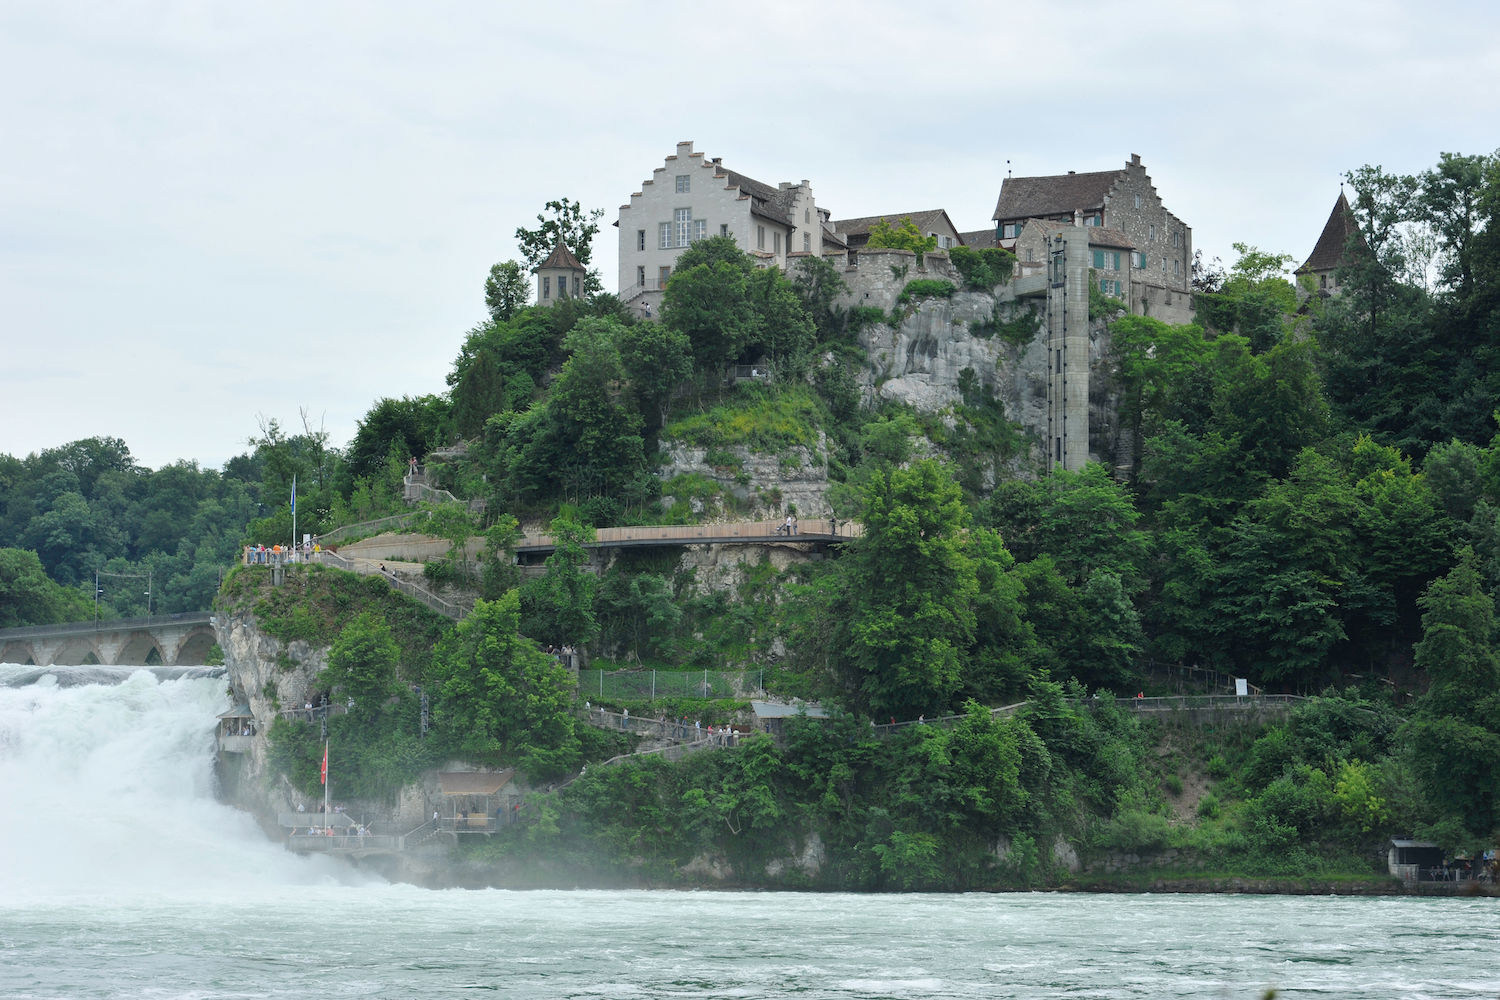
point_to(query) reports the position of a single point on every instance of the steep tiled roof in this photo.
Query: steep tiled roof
(979, 238)
(1028, 197)
(1099, 236)
(766, 200)
(832, 240)
(1329, 252)
(929, 221)
(561, 256)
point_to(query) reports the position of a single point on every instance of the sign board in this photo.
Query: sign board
(1241, 687)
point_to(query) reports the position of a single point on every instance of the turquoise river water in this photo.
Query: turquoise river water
(121, 876)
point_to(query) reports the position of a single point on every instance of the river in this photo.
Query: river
(121, 876)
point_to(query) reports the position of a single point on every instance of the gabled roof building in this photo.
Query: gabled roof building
(1124, 201)
(691, 197)
(933, 222)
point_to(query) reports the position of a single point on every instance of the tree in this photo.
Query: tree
(707, 300)
(571, 224)
(499, 572)
(657, 360)
(584, 443)
(1084, 520)
(905, 236)
(29, 597)
(362, 664)
(1163, 372)
(500, 700)
(1454, 739)
(819, 284)
(909, 593)
(783, 331)
(407, 425)
(506, 290)
(559, 606)
(1457, 650)
(451, 521)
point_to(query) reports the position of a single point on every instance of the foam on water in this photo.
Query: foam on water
(109, 788)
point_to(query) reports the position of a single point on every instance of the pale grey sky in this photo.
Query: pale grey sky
(211, 214)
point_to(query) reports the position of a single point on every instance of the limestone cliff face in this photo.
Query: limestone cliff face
(765, 485)
(919, 357)
(268, 675)
(919, 362)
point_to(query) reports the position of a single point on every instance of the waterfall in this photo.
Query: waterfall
(108, 782)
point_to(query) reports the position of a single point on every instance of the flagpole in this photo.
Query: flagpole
(327, 818)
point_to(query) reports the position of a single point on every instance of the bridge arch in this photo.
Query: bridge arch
(193, 648)
(77, 652)
(17, 652)
(141, 649)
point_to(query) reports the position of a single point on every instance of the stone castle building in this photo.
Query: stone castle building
(1068, 231)
(1141, 253)
(690, 197)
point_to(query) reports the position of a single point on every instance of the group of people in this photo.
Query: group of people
(260, 555)
(789, 526)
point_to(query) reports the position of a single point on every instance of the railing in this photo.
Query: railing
(419, 492)
(313, 713)
(455, 611)
(745, 373)
(649, 685)
(1228, 702)
(364, 529)
(1170, 703)
(110, 624)
(344, 842)
(628, 295)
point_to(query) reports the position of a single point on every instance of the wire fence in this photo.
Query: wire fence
(647, 685)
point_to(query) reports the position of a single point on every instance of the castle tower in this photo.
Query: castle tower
(559, 277)
(1068, 348)
(1341, 238)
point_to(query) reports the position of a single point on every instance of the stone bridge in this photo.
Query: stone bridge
(165, 640)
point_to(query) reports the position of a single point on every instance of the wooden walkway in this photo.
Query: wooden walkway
(823, 531)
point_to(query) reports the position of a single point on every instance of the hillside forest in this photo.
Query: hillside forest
(1311, 500)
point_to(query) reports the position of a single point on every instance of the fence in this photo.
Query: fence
(365, 529)
(647, 685)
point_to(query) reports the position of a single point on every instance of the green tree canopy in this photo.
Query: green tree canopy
(500, 699)
(909, 594)
(506, 290)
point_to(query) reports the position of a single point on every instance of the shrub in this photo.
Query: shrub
(984, 268)
(926, 288)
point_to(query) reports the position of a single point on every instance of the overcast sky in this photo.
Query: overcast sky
(216, 214)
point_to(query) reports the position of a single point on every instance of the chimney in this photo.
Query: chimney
(1072, 172)
(1135, 159)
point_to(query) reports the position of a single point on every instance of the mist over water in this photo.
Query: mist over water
(109, 789)
(122, 877)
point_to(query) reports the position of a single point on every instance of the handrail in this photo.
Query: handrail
(110, 624)
(340, 533)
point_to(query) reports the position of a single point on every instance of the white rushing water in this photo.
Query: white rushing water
(121, 876)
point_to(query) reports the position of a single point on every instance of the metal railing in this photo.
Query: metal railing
(111, 624)
(455, 611)
(648, 685)
(365, 529)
